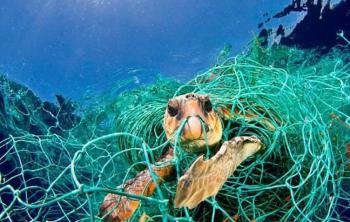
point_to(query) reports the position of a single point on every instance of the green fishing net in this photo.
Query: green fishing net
(64, 172)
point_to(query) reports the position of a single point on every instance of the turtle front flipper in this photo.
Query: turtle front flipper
(116, 208)
(206, 177)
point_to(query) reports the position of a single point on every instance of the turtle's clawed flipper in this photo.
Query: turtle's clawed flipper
(119, 208)
(206, 177)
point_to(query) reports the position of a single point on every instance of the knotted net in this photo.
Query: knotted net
(63, 172)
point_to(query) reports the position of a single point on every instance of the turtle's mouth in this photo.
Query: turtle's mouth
(196, 137)
(191, 121)
(195, 128)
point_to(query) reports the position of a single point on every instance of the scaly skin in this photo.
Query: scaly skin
(197, 110)
(201, 122)
(213, 172)
(121, 207)
(203, 126)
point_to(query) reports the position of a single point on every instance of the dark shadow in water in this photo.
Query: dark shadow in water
(320, 26)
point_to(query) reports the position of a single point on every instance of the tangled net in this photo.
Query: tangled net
(64, 170)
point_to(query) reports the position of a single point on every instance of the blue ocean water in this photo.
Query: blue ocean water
(67, 46)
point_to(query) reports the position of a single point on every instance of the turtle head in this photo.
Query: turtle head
(201, 122)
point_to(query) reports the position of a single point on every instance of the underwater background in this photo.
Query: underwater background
(65, 47)
(85, 84)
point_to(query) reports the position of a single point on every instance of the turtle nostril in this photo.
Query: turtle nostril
(190, 95)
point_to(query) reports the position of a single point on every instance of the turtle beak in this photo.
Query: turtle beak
(193, 128)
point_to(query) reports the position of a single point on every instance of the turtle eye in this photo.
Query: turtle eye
(172, 110)
(208, 107)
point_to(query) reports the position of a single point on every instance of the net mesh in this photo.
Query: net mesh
(63, 171)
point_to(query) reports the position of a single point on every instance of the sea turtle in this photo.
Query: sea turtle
(202, 127)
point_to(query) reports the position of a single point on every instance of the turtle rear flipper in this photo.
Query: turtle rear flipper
(206, 177)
